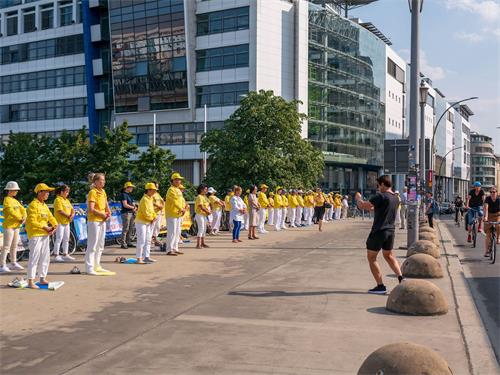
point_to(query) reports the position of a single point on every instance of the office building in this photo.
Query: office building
(483, 160)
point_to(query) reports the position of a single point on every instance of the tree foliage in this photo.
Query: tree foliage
(261, 142)
(155, 164)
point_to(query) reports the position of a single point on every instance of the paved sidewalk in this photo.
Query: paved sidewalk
(294, 302)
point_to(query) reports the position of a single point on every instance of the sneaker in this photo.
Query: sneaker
(4, 269)
(400, 279)
(469, 238)
(379, 289)
(16, 266)
(59, 259)
(92, 272)
(68, 257)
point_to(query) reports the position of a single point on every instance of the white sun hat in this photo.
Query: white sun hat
(211, 190)
(12, 185)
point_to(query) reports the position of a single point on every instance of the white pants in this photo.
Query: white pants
(216, 216)
(173, 233)
(398, 216)
(262, 219)
(306, 215)
(291, 216)
(96, 234)
(202, 225)
(270, 219)
(155, 229)
(277, 218)
(10, 240)
(39, 259)
(144, 235)
(344, 212)
(283, 217)
(62, 237)
(246, 220)
(332, 213)
(298, 216)
(402, 216)
(337, 213)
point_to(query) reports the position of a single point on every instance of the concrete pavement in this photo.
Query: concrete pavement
(294, 302)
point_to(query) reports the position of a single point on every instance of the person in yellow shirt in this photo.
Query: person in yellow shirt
(159, 205)
(40, 224)
(264, 206)
(328, 207)
(278, 209)
(202, 210)
(292, 207)
(319, 207)
(300, 208)
(337, 204)
(216, 206)
(64, 214)
(270, 209)
(145, 220)
(175, 207)
(284, 209)
(227, 209)
(309, 208)
(14, 215)
(97, 213)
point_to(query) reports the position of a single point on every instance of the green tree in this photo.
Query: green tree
(261, 142)
(111, 155)
(155, 164)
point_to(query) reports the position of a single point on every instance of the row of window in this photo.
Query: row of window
(48, 110)
(222, 21)
(221, 95)
(42, 49)
(222, 58)
(45, 79)
(395, 71)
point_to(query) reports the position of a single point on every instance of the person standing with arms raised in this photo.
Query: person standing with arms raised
(385, 204)
(175, 207)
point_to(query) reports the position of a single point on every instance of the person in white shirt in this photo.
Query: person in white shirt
(238, 211)
(345, 206)
(404, 202)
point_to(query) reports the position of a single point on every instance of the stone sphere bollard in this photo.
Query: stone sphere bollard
(417, 297)
(404, 358)
(422, 266)
(428, 236)
(427, 229)
(423, 247)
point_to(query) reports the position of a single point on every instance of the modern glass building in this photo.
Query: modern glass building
(347, 74)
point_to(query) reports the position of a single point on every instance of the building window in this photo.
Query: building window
(65, 13)
(395, 71)
(47, 15)
(49, 110)
(222, 58)
(11, 23)
(221, 95)
(29, 20)
(222, 21)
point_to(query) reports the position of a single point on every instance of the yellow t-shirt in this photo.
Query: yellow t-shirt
(13, 213)
(278, 201)
(284, 201)
(309, 201)
(263, 200)
(227, 200)
(64, 205)
(215, 203)
(300, 200)
(146, 212)
(174, 202)
(39, 216)
(100, 200)
(319, 200)
(271, 202)
(292, 201)
(158, 201)
(201, 200)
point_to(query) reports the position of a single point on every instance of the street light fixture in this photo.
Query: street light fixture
(424, 90)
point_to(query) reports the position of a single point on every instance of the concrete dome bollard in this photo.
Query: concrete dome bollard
(417, 297)
(423, 247)
(404, 358)
(427, 229)
(422, 266)
(428, 236)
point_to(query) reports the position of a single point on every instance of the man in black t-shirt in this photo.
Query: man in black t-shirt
(384, 204)
(128, 211)
(458, 203)
(491, 214)
(475, 201)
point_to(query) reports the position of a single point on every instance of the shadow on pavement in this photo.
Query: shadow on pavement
(279, 293)
(381, 310)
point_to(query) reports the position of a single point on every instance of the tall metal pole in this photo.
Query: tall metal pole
(422, 146)
(415, 9)
(205, 132)
(154, 129)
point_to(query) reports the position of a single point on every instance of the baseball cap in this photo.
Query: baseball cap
(176, 176)
(42, 187)
(151, 186)
(128, 184)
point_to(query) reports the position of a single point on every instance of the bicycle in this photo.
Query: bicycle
(474, 229)
(493, 243)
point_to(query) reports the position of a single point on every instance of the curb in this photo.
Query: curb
(480, 354)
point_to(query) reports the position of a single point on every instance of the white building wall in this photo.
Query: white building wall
(395, 124)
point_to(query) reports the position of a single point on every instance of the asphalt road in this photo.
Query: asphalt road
(485, 280)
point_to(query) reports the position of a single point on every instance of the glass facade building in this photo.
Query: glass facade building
(148, 42)
(347, 67)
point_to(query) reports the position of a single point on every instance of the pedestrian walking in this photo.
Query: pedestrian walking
(145, 221)
(431, 208)
(319, 208)
(216, 206)
(40, 224)
(175, 207)
(14, 216)
(253, 214)
(264, 206)
(97, 213)
(128, 214)
(159, 206)
(202, 210)
(404, 207)
(382, 234)
(64, 214)
(238, 210)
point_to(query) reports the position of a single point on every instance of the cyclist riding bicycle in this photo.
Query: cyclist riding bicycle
(491, 213)
(474, 206)
(459, 204)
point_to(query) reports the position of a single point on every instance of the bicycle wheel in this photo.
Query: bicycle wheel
(474, 235)
(493, 250)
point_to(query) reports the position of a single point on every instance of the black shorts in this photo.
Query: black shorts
(319, 212)
(382, 239)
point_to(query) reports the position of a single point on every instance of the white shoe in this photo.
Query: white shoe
(59, 259)
(4, 269)
(92, 272)
(16, 266)
(68, 257)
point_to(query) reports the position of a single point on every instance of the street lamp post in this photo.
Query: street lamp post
(424, 89)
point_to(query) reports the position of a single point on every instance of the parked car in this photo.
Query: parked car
(446, 208)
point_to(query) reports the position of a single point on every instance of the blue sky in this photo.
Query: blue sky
(460, 44)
